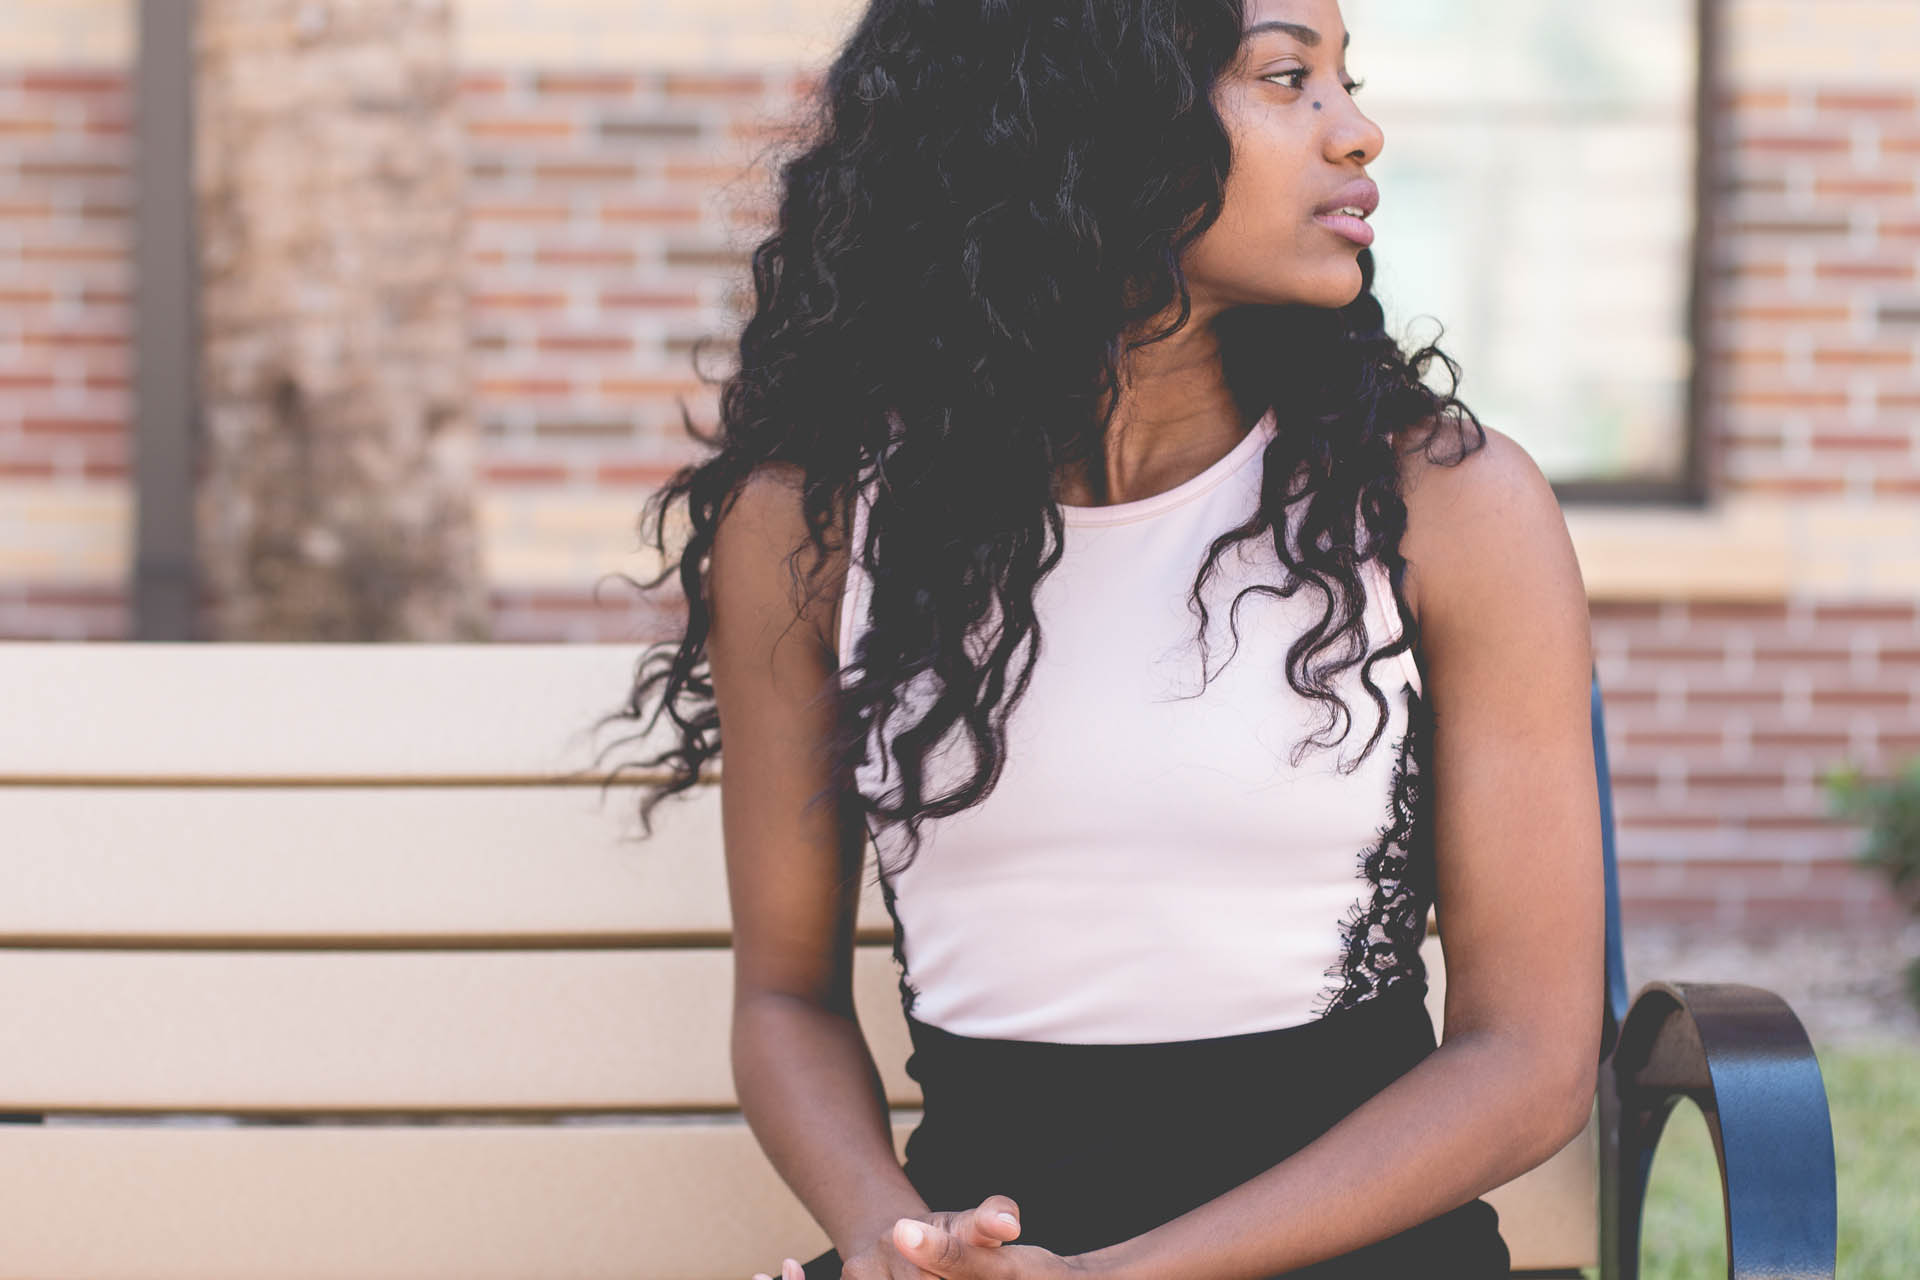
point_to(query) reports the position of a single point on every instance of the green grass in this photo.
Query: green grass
(1874, 1094)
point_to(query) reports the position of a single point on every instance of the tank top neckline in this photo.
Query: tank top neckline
(1230, 462)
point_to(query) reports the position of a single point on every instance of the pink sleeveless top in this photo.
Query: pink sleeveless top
(1150, 866)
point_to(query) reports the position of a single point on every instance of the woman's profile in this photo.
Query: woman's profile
(1076, 535)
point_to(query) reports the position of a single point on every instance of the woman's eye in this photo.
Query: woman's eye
(1300, 73)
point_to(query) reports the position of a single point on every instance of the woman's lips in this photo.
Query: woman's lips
(1354, 229)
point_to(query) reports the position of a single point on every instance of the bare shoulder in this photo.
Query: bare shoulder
(1483, 526)
(761, 555)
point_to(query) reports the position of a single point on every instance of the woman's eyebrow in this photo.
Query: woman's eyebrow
(1305, 35)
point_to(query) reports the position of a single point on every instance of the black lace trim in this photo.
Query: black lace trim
(908, 993)
(1380, 938)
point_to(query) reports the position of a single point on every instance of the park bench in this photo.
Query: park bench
(334, 960)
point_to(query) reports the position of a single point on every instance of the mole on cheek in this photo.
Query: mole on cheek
(1316, 106)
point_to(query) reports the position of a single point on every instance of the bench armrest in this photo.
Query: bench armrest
(1744, 1059)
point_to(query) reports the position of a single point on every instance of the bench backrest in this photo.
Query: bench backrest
(333, 960)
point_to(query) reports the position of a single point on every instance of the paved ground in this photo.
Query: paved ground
(1846, 987)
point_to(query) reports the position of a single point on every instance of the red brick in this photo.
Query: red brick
(1863, 355)
(1893, 611)
(714, 85)
(526, 301)
(1794, 143)
(1805, 740)
(490, 128)
(699, 174)
(1786, 312)
(73, 338)
(524, 386)
(523, 473)
(588, 343)
(648, 299)
(1792, 227)
(641, 388)
(583, 256)
(1862, 442)
(1787, 398)
(1854, 186)
(566, 171)
(1669, 821)
(652, 212)
(34, 426)
(1732, 780)
(74, 82)
(1698, 649)
(1751, 271)
(1793, 486)
(1863, 271)
(73, 253)
(1789, 823)
(1741, 356)
(1637, 739)
(1878, 101)
(72, 170)
(482, 83)
(594, 84)
(517, 212)
(1879, 698)
(1710, 611)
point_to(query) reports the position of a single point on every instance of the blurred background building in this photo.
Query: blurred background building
(1673, 246)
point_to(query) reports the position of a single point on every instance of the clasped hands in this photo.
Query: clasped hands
(951, 1244)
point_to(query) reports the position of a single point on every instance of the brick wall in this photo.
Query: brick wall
(614, 192)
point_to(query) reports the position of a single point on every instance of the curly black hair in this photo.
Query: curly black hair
(986, 210)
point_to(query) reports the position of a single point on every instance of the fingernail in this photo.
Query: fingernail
(912, 1234)
(1008, 1218)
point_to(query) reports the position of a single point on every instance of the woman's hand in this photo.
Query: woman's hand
(932, 1251)
(986, 1226)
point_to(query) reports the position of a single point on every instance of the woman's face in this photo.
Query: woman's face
(1299, 142)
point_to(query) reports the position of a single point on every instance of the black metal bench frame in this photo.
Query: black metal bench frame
(1739, 1053)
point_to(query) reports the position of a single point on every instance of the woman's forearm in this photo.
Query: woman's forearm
(1470, 1116)
(814, 1100)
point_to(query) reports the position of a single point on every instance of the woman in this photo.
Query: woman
(1064, 341)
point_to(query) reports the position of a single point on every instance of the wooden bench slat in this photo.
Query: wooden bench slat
(395, 1030)
(687, 1200)
(694, 1199)
(117, 710)
(85, 865)
(414, 1031)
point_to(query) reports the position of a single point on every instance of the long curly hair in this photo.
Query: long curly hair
(986, 209)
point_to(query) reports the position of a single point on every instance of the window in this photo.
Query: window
(1539, 201)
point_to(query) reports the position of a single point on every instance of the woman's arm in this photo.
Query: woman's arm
(803, 1071)
(1508, 669)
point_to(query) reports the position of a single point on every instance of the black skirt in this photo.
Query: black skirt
(1098, 1143)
